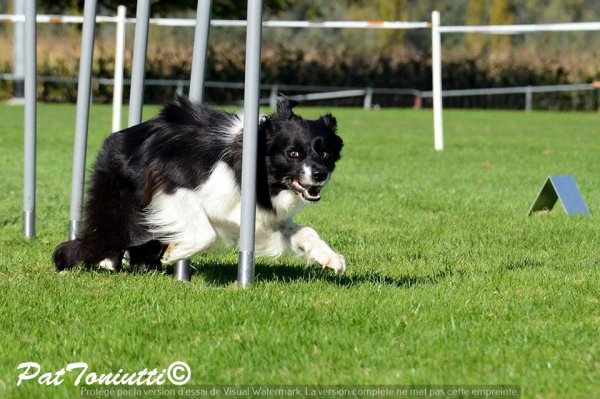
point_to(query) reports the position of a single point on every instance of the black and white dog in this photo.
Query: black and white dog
(169, 188)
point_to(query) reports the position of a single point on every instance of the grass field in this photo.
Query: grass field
(449, 281)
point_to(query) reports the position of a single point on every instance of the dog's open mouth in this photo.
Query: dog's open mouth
(311, 193)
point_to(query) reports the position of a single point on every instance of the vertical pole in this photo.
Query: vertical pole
(528, 99)
(119, 62)
(181, 270)
(200, 51)
(30, 121)
(140, 45)
(418, 103)
(84, 87)
(251, 97)
(368, 100)
(273, 97)
(18, 52)
(436, 66)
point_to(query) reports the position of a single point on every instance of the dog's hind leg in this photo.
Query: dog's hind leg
(113, 263)
(198, 236)
(149, 253)
(110, 213)
(179, 221)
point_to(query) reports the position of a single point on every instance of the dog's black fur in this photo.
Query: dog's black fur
(178, 149)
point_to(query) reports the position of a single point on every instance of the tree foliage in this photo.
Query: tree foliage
(230, 9)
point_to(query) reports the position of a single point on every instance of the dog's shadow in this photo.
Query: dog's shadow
(225, 273)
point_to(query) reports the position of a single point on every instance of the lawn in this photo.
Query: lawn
(448, 281)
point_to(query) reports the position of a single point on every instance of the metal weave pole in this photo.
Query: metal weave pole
(181, 271)
(30, 121)
(84, 87)
(119, 63)
(19, 54)
(200, 51)
(140, 46)
(251, 100)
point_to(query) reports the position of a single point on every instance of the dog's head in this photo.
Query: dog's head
(300, 154)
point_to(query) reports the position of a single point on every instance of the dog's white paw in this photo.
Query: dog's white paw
(107, 264)
(176, 252)
(335, 262)
(168, 257)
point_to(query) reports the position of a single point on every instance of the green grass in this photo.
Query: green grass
(449, 282)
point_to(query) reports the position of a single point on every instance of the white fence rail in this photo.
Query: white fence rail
(191, 22)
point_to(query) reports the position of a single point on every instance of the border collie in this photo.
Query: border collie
(169, 188)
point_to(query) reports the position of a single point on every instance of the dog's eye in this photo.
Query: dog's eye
(294, 154)
(325, 155)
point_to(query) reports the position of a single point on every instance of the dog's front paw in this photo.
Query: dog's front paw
(107, 264)
(335, 262)
(168, 256)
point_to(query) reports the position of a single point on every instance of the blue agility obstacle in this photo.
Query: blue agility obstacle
(561, 188)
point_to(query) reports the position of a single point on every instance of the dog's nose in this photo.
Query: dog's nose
(319, 175)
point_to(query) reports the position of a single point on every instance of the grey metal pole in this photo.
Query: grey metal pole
(251, 97)
(200, 50)
(84, 87)
(140, 45)
(181, 270)
(30, 121)
(528, 99)
(18, 53)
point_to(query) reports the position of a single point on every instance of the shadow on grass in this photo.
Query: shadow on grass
(221, 274)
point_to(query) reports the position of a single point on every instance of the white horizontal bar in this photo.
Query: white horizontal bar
(75, 19)
(491, 29)
(347, 24)
(516, 29)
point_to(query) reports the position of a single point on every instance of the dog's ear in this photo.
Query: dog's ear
(329, 121)
(284, 107)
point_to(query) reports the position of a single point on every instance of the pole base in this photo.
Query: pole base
(29, 224)
(74, 229)
(181, 271)
(245, 268)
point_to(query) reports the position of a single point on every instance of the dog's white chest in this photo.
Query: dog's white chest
(214, 208)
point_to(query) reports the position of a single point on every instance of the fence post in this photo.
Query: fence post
(179, 88)
(273, 97)
(436, 66)
(418, 103)
(30, 133)
(248, 189)
(84, 89)
(528, 99)
(119, 63)
(368, 101)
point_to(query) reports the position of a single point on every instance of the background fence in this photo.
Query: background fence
(359, 82)
(578, 97)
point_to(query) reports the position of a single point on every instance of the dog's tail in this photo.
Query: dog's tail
(68, 254)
